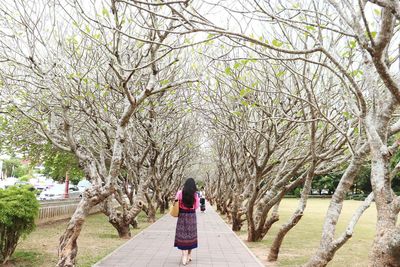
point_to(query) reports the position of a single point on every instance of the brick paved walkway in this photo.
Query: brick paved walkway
(218, 246)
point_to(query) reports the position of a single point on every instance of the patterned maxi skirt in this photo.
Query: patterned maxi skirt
(186, 230)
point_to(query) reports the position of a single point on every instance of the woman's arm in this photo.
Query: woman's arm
(196, 201)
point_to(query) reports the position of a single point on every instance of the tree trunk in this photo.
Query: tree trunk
(134, 224)
(151, 213)
(257, 230)
(121, 225)
(225, 209)
(254, 235)
(326, 250)
(383, 254)
(68, 248)
(220, 209)
(123, 231)
(237, 221)
(166, 203)
(236, 224)
(276, 245)
(162, 207)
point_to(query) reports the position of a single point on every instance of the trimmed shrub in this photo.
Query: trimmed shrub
(297, 192)
(360, 197)
(290, 196)
(18, 210)
(25, 178)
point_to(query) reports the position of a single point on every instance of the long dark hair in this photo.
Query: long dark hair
(189, 189)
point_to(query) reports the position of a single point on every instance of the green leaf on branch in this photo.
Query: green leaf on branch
(210, 35)
(254, 84)
(355, 73)
(236, 65)
(244, 61)
(244, 92)
(97, 36)
(228, 70)
(346, 54)
(280, 74)
(352, 44)
(373, 34)
(277, 43)
(237, 113)
(164, 82)
(139, 44)
(310, 28)
(105, 12)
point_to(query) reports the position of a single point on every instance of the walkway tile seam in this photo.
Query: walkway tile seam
(241, 242)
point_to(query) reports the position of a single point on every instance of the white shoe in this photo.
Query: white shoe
(184, 259)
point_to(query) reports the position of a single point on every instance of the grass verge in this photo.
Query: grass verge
(97, 239)
(304, 238)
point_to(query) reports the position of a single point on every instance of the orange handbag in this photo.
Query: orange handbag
(174, 210)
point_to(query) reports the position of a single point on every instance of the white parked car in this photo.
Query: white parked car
(58, 192)
(83, 185)
(325, 192)
(314, 191)
(10, 181)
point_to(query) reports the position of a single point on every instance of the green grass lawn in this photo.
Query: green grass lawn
(97, 239)
(304, 238)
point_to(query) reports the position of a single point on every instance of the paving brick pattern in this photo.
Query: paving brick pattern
(218, 246)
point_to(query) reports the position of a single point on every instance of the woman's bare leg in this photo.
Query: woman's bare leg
(185, 257)
(190, 255)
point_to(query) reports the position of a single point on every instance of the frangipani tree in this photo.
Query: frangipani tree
(79, 70)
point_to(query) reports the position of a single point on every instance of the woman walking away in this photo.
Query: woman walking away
(186, 227)
(202, 200)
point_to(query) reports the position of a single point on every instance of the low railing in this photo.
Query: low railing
(59, 210)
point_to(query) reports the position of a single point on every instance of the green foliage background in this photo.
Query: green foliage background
(57, 163)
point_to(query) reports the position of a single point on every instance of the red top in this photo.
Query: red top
(196, 203)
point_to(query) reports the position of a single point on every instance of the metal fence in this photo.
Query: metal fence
(59, 210)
